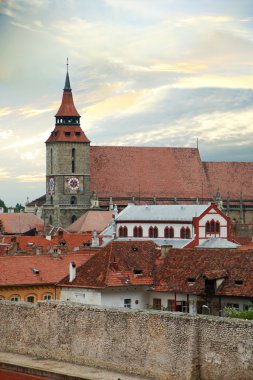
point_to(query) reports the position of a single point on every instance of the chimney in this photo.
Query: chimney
(165, 249)
(72, 271)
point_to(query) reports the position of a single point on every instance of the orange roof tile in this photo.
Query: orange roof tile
(91, 220)
(21, 223)
(117, 264)
(18, 270)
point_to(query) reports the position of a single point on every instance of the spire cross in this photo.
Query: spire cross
(67, 64)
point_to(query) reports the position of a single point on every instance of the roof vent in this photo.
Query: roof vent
(134, 248)
(138, 272)
(239, 282)
(30, 244)
(36, 271)
(191, 280)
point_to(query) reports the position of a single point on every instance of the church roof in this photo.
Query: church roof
(71, 133)
(67, 107)
(120, 171)
(230, 177)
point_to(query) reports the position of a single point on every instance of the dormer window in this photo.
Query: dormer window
(67, 134)
(239, 282)
(77, 134)
(191, 280)
(138, 272)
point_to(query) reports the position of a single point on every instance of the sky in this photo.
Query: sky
(142, 72)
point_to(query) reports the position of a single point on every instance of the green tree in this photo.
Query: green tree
(2, 204)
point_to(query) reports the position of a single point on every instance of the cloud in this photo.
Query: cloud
(30, 178)
(4, 174)
(5, 111)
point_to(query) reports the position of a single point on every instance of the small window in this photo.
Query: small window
(212, 226)
(157, 303)
(77, 133)
(140, 232)
(234, 305)
(191, 280)
(151, 232)
(135, 231)
(138, 272)
(217, 227)
(47, 297)
(73, 200)
(239, 282)
(67, 134)
(15, 298)
(155, 232)
(182, 233)
(31, 299)
(121, 234)
(187, 233)
(125, 231)
(207, 227)
(166, 232)
(170, 305)
(127, 303)
(171, 232)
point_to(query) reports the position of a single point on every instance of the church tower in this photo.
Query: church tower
(67, 166)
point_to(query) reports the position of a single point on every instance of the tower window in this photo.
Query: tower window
(73, 200)
(73, 160)
(73, 218)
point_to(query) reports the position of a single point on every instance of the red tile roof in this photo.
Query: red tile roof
(232, 177)
(173, 272)
(18, 270)
(67, 107)
(91, 220)
(161, 172)
(72, 241)
(118, 264)
(21, 223)
(68, 133)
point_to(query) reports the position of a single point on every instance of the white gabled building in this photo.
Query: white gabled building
(177, 225)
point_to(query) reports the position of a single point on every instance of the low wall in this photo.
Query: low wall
(158, 344)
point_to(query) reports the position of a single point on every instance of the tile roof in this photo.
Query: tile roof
(67, 107)
(117, 264)
(147, 171)
(173, 272)
(232, 177)
(15, 223)
(161, 212)
(68, 133)
(91, 220)
(18, 270)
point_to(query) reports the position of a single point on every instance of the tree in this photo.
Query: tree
(2, 204)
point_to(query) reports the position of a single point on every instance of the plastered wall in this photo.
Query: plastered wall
(160, 344)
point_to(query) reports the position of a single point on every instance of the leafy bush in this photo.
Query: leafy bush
(232, 312)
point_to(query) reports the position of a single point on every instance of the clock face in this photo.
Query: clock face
(51, 186)
(73, 183)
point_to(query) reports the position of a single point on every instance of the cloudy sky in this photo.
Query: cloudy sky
(143, 72)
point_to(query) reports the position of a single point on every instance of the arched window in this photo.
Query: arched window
(73, 218)
(187, 233)
(47, 297)
(217, 227)
(135, 231)
(171, 232)
(140, 232)
(166, 232)
(73, 160)
(15, 298)
(121, 231)
(182, 233)
(125, 231)
(212, 226)
(73, 200)
(51, 160)
(207, 227)
(31, 298)
(155, 232)
(151, 232)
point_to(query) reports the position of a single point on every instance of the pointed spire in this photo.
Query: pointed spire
(67, 82)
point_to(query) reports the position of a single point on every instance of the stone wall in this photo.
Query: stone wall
(158, 344)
